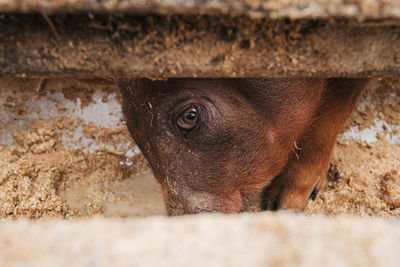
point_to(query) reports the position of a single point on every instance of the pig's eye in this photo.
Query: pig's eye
(187, 120)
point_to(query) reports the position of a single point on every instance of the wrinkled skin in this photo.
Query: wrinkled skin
(233, 145)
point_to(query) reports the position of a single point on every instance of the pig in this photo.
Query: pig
(232, 145)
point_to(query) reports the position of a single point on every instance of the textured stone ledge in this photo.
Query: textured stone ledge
(262, 239)
(195, 46)
(361, 9)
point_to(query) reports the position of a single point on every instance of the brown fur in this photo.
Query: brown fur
(259, 143)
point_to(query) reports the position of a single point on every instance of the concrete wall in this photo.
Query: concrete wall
(263, 239)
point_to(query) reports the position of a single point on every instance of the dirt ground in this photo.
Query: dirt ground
(65, 153)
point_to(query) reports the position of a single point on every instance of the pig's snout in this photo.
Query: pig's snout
(201, 202)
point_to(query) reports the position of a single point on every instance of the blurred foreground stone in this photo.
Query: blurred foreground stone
(263, 239)
(376, 9)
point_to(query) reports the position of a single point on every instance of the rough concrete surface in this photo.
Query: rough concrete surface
(196, 46)
(360, 9)
(264, 239)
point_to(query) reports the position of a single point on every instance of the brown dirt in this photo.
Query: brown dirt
(362, 181)
(41, 178)
(363, 178)
(380, 100)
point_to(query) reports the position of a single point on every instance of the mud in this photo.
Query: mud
(364, 177)
(65, 153)
(62, 155)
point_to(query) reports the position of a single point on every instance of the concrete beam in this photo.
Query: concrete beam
(195, 46)
(361, 9)
(263, 239)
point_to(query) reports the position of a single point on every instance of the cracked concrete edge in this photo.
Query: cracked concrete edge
(261, 239)
(361, 9)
